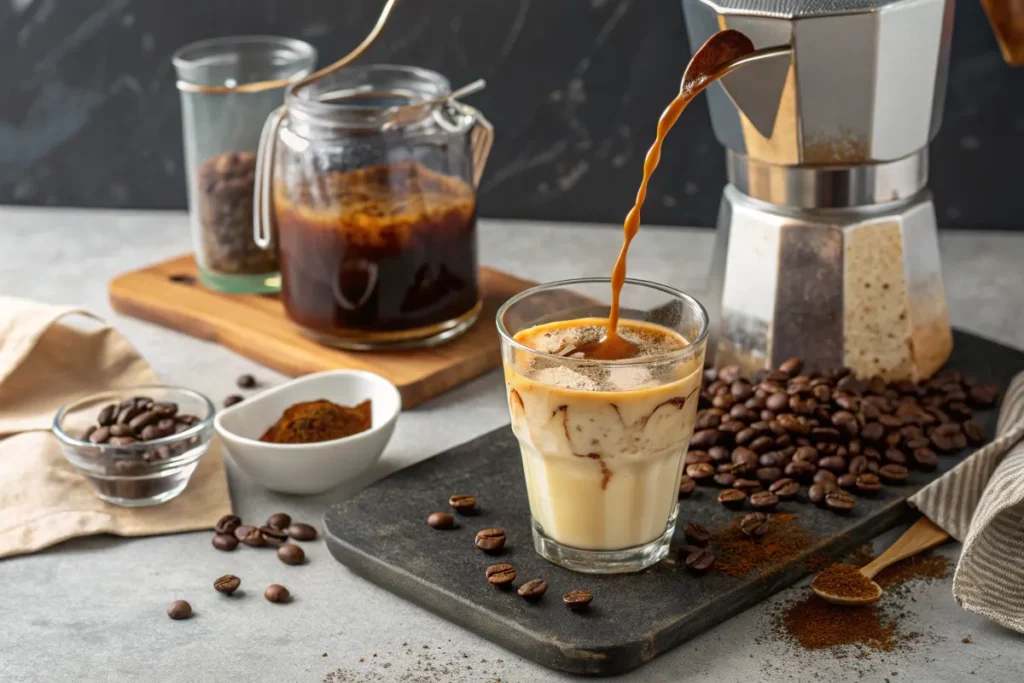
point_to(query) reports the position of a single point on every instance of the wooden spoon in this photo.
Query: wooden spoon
(923, 534)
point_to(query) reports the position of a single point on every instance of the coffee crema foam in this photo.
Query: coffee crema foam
(564, 337)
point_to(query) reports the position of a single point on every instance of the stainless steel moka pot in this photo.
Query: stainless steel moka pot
(827, 245)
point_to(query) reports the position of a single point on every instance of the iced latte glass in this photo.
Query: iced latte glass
(602, 441)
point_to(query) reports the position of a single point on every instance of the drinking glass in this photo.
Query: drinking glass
(602, 442)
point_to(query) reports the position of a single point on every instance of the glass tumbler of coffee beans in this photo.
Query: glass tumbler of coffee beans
(371, 183)
(138, 446)
(228, 87)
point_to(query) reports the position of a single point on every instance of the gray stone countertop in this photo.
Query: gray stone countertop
(93, 609)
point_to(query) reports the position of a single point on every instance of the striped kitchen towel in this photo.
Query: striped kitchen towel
(980, 502)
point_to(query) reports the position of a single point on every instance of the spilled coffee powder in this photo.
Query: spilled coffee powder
(917, 568)
(816, 624)
(739, 555)
(844, 581)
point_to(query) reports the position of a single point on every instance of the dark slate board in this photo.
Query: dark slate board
(381, 534)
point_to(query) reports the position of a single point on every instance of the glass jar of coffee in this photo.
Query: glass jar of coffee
(370, 184)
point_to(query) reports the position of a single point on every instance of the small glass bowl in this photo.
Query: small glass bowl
(143, 473)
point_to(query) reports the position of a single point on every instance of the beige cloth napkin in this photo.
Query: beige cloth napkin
(45, 363)
(980, 502)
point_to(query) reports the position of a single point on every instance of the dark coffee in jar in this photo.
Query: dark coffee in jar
(380, 253)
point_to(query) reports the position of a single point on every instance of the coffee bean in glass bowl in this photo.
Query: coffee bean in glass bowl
(118, 459)
(277, 593)
(289, 553)
(300, 531)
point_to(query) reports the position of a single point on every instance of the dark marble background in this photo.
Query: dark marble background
(89, 114)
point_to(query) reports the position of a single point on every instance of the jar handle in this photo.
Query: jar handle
(481, 139)
(262, 220)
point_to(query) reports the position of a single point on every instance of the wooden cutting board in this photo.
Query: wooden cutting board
(255, 326)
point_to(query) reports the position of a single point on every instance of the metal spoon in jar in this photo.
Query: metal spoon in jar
(407, 113)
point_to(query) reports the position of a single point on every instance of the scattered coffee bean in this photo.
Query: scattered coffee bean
(439, 520)
(245, 381)
(272, 536)
(182, 279)
(232, 400)
(840, 501)
(868, 484)
(699, 561)
(289, 553)
(817, 492)
(700, 472)
(279, 520)
(300, 531)
(974, 433)
(225, 542)
(824, 477)
(179, 609)
(578, 599)
(242, 530)
(490, 540)
(704, 439)
(99, 435)
(725, 479)
(686, 486)
(984, 395)
(462, 503)
(764, 500)
(847, 481)
(227, 584)
(893, 474)
(533, 589)
(277, 593)
(252, 538)
(925, 459)
(732, 498)
(500, 574)
(785, 489)
(696, 534)
(748, 486)
(755, 524)
(791, 366)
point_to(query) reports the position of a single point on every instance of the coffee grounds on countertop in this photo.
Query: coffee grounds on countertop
(815, 624)
(411, 664)
(738, 555)
(844, 581)
(917, 568)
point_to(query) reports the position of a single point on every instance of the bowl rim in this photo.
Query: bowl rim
(240, 407)
(195, 430)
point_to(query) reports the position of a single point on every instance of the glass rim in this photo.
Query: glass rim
(688, 350)
(307, 103)
(64, 437)
(192, 55)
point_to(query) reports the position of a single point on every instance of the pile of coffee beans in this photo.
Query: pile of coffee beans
(230, 531)
(279, 528)
(762, 440)
(492, 541)
(137, 420)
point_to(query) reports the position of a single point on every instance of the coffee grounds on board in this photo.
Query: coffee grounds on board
(844, 581)
(736, 554)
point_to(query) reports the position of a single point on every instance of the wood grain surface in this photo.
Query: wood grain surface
(255, 326)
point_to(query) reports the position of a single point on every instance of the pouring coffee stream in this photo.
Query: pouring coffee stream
(722, 53)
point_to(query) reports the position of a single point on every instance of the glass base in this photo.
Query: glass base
(623, 561)
(264, 283)
(421, 338)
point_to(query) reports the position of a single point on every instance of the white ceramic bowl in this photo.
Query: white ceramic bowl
(313, 467)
